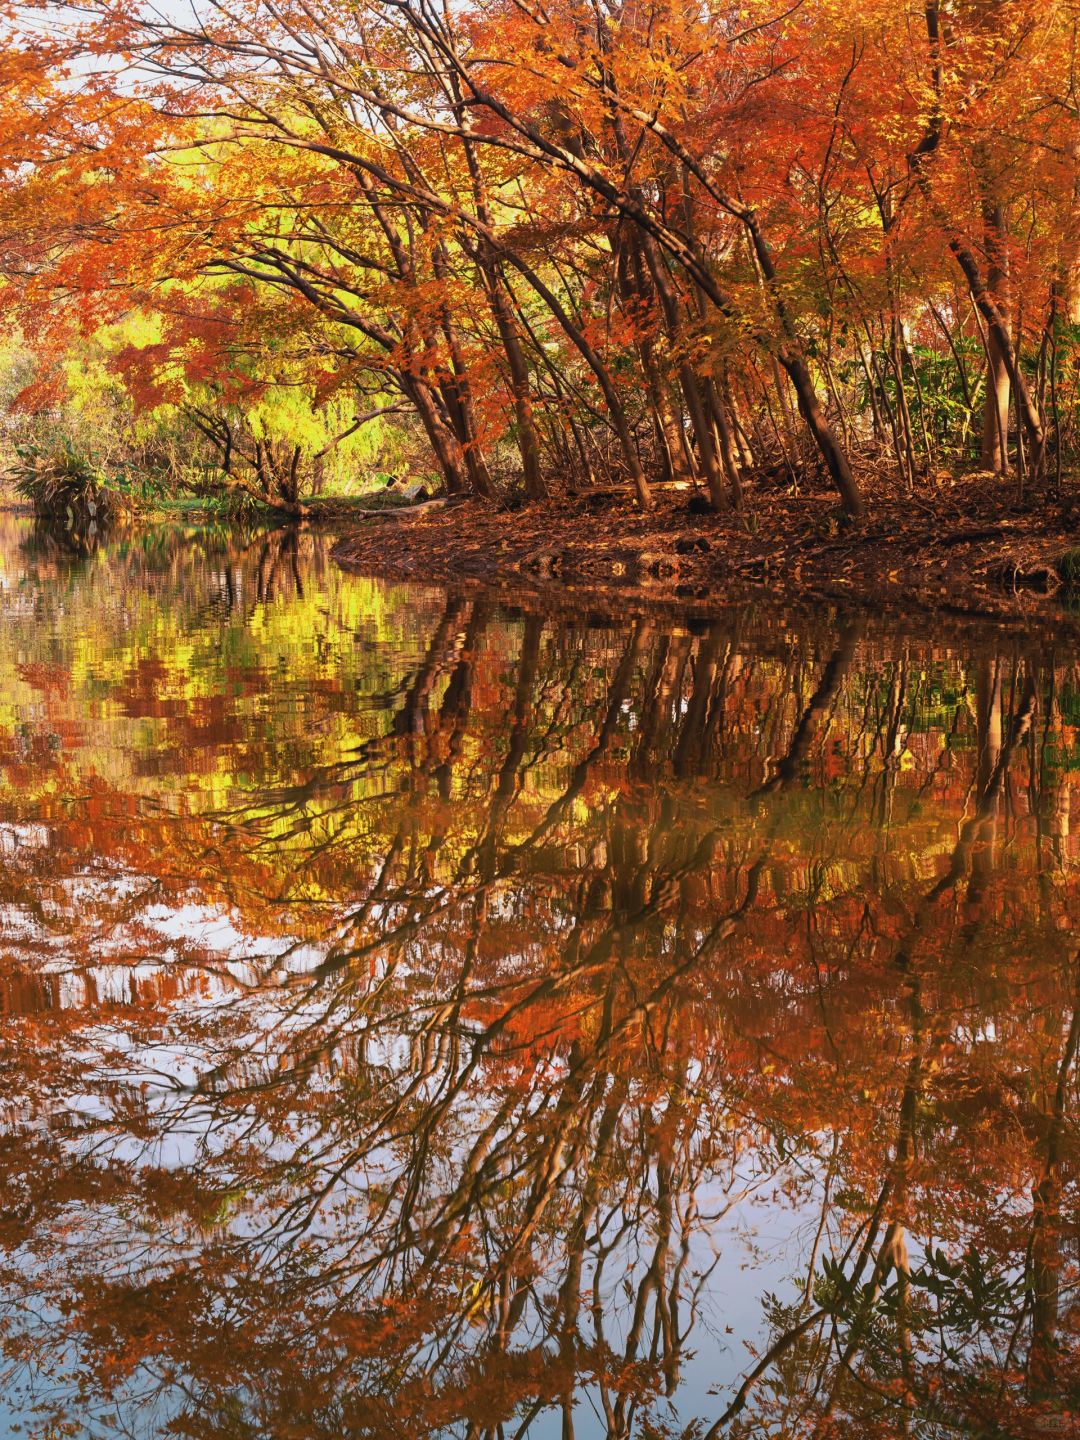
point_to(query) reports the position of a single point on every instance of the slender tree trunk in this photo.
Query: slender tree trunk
(443, 441)
(528, 439)
(790, 356)
(600, 370)
(994, 442)
(711, 463)
(831, 450)
(457, 393)
(668, 422)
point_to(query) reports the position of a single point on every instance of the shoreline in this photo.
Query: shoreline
(955, 551)
(959, 550)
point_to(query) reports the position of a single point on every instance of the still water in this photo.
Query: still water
(421, 1017)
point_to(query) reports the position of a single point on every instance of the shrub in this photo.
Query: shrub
(69, 488)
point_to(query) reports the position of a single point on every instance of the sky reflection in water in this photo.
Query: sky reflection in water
(426, 1018)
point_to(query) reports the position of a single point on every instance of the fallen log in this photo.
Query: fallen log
(402, 512)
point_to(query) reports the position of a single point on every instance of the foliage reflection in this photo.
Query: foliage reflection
(426, 1018)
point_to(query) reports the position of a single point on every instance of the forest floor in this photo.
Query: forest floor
(969, 545)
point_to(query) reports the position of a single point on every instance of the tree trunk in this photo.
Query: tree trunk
(527, 437)
(832, 452)
(994, 443)
(695, 405)
(444, 442)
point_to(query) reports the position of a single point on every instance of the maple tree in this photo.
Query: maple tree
(649, 241)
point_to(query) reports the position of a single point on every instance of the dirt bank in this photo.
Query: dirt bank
(959, 547)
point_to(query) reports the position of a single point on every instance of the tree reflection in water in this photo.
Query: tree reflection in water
(425, 1018)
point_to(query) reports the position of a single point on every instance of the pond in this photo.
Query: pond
(423, 1016)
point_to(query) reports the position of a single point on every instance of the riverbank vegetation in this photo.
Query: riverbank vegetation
(524, 251)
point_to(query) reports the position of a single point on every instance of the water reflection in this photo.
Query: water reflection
(423, 1019)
